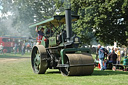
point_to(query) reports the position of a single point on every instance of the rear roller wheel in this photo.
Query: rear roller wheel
(79, 64)
(38, 61)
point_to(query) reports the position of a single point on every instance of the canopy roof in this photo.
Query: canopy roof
(55, 20)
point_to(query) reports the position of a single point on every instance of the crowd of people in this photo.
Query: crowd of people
(21, 48)
(110, 56)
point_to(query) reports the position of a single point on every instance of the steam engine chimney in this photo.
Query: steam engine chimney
(68, 23)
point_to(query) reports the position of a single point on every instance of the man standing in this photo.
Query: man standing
(101, 57)
(118, 55)
(112, 57)
(28, 47)
(125, 51)
(1, 48)
(40, 34)
(23, 48)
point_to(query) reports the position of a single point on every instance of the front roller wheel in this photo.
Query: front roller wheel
(38, 61)
(79, 64)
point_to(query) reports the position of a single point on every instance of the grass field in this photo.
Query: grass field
(16, 70)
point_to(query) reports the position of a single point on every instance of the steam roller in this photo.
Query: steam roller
(68, 62)
(59, 48)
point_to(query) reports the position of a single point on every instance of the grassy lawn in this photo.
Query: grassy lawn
(18, 71)
(12, 55)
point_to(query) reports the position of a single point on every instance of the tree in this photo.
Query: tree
(80, 28)
(107, 19)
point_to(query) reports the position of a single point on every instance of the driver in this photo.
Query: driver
(40, 34)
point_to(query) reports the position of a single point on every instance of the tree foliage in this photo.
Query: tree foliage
(80, 28)
(107, 19)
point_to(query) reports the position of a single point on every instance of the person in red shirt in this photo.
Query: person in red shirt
(28, 47)
(40, 34)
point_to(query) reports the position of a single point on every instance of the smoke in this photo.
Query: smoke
(13, 27)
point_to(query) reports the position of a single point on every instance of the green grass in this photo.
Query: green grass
(12, 55)
(19, 72)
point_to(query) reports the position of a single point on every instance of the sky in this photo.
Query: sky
(8, 13)
(0, 7)
(0, 11)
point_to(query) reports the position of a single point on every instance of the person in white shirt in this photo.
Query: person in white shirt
(1, 48)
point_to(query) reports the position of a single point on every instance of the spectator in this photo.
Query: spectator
(122, 53)
(97, 50)
(20, 45)
(1, 48)
(40, 34)
(105, 53)
(15, 48)
(112, 50)
(112, 57)
(118, 56)
(101, 57)
(23, 48)
(28, 47)
(125, 51)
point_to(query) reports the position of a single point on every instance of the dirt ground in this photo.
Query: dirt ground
(2, 60)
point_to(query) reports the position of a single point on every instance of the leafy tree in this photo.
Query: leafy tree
(107, 19)
(80, 28)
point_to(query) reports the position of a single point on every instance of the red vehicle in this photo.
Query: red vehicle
(8, 44)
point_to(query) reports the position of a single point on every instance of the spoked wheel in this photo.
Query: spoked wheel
(38, 56)
(78, 64)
